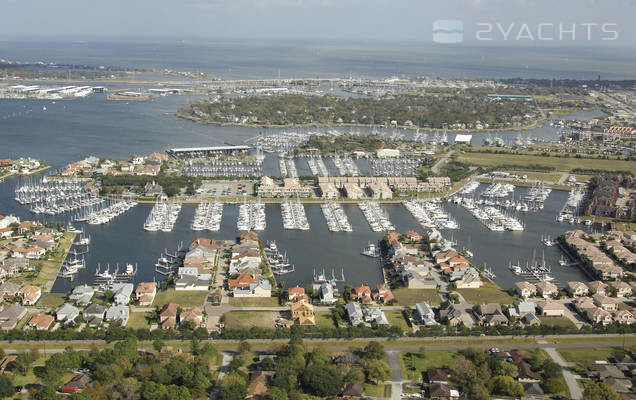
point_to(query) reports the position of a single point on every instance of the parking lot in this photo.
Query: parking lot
(225, 188)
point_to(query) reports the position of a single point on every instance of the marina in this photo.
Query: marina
(106, 213)
(163, 216)
(492, 217)
(54, 196)
(294, 217)
(288, 167)
(376, 217)
(430, 214)
(208, 217)
(336, 217)
(317, 166)
(251, 216)
(571, 207)
(278, 262)
(226, 169)
(346, 166)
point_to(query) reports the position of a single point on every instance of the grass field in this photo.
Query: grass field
(588, 355)
(185, 298)
(557, 321)
(414, 364)
(559, 163)
(489, 293)
(377, 390)
(248, 319)
(396, 318)
(324, 319)
(254, 302)
(137, 320)
(539, 176)
(410, 297)
(51, 300)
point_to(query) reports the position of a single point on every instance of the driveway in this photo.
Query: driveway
(393, 357)
(570, 378)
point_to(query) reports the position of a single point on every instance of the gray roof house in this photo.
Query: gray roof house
(374, 314)
(82, 294)
(94, 315)
(118, 314)
(425, 314)
(354, 312)
(67, 313)
(326, 293)
(11, 315)
(123, 292)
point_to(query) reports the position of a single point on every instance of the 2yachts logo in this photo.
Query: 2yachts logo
(452, 31)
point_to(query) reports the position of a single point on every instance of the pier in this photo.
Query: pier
(376, 217)
(336, 218)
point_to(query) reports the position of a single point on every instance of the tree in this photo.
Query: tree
(236, 363)
(48, 393)
(554, 386)
(275, 393)
(599, 391)
(464, 370)
(538, 359)
(373, 351)
(235, 391)
(552, 369)
(321, 381)
(6, 386)
(506, 369)
(321, 356)
(178, 393)
(244, 346)
(153, 391)
(354, 375)
(378, 371)
(81, 396)
(158, 344)
(506, 386)
(267, 364)
(195, 345)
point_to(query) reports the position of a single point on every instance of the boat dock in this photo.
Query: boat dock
(336, 218)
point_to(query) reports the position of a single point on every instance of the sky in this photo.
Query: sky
(502, 21)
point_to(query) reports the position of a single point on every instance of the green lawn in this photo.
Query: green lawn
(137, 320)
(588, 355)
(414, 364)
(248, 319)
(185, 298)
(254, 302)
(51, 300)
(557, 321)
(377, 390)
(48, 269)
(559, 163)
(410, 297)
(489, 293)
(396, 318)
(324, 319)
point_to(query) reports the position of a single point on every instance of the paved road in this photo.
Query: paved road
(570, 379)
(393, 357)
(435, 168)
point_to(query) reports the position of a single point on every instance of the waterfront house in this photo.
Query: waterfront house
(382, 294)
(40, 322)
(297, 294)
(7, 220)
(9, 290)
(123, 291)
(242, 281)
(67, 313)
(194, 315)
(303, 313)
(29, 294)
(94, 315)
(250, 239)
(145, 293)
(525, 289)
(11, 315)
(597, 315)
(354, 313)
(374, 314)
(326, 293)
(262, 288)
(118, 314)
(623, 289)
(597, 287)
(550, 309)
(424, 314)
(362, 293)
(577, 289)
(27, 226)
(82, 294)
(168, 316)
(413, 236)
(468, 279)
(444, 256)
(546, 289)
(6, 233)
(605, 302)
(11, 267)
